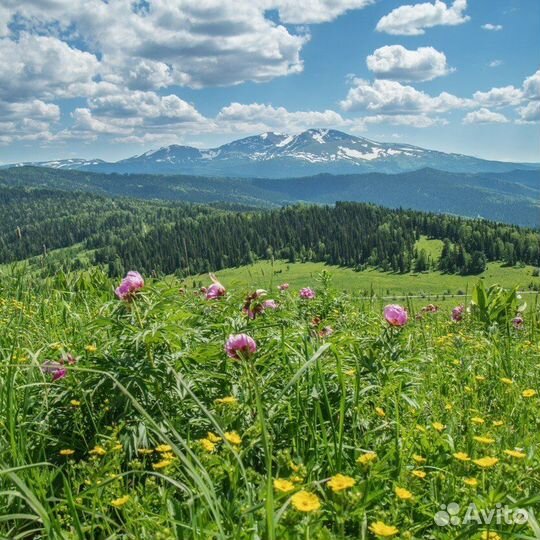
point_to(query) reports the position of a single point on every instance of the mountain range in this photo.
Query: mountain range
(277, 155)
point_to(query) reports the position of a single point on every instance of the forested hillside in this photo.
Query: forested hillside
(164, 237)
(512, 197)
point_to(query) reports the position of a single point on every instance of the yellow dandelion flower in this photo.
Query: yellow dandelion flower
(403, 494)
(212, 437)
(227, 400)
(98, 451)
(498, 423)
(162, 448)
(515, 454)
(66, 452)
(380, 412)
(477, 420)
(367, 458)
(90, 348)
(419, 473)
(473, 482)
(117, 503)
(529, 393)
(207, 445)
(419, 459)
(486, 462)
(379, 528)
(161, 464)
(233, 438)
(283, 486)
(506, 380)
(462, 456)
(438, 426)
(339, 482)
(303, 501)
(489, 535)
(484, 440)
(75, 403)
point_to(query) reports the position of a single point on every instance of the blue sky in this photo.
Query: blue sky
(85, 78)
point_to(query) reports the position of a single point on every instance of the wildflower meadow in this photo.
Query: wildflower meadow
(156, 409)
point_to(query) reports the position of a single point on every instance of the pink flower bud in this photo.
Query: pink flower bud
(240, 345)
(396, 315)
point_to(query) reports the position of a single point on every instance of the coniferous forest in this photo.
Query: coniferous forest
(162, 237)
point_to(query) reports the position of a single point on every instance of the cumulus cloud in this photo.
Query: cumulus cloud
(492, 27)
(263, 117)
(392, 97)
(411, 20)
(484, 116)
(401, 64)
(531, 86)
(530, 112)
(499, 97)
(316, 11)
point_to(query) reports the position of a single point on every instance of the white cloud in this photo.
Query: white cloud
(316, 11)
(530, 112)
(499, 97)
(485, 116)
(492, 27)
(43, 67)
(531, 86)
(263, 117)
(495, 63)
(411, 20)
(391, 97)
(401, 64)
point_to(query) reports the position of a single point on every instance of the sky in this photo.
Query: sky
(110, 79)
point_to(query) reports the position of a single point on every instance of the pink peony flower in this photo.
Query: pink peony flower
(239, 346)
(307, 294)
(55, 369)
(270, 304)
(457, 313)
(283, 287)
(518, 322)
(396, 315)
(216, 290)
(129, 285)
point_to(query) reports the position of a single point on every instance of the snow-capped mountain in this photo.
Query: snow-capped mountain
(278, 155)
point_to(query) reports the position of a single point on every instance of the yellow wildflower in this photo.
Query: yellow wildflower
(75, 403)
(303, 501)
(419, 459)
(117, 503)
(228, 400)
(403, 494)
(233, 438)
(367, 458)
(339, 482)
(208, 445)
(477, 420)
(294, 467)
(462, 456)
(471, 481)
(378, 528)
(98, 451)
(480, 378)
(380, 412)
(162, 448)
(161, 464)
(486, 462)
(66, 452)
(438, 426)
(484, 440)
(498, 423)
(528, 393)
(212, 437)
(144, 451)
(506, 380)
(418, 473)
(90, 348)
(515, 454)
(297, 479)
(489, 535)
(282, 485)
